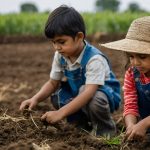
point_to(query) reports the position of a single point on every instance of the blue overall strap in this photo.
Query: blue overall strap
(112, 86)
(90, 51)
(143, 92)
(63, 63)
(75, 78)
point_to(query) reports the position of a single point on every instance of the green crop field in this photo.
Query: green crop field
(33, 23)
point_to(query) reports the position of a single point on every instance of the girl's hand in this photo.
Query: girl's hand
(52, 117)
(29, 103)
(136, 132)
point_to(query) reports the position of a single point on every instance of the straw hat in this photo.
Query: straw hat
(137, 39)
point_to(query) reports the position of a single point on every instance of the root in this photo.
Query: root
(28, 113)
(125, 146)
(6, 117)
(34, 121)
(43, 146)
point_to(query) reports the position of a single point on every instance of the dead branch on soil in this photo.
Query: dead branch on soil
(43, 146)
(124, 146)
(27, 113)
(34, 121)
(6, 117)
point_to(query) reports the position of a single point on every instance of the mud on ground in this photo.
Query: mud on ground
(24, 68)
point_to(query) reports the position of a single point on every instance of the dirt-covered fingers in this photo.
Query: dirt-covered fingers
(28, 104)
(46, 117)
(135, 136)
(52, 117)
(24, 104)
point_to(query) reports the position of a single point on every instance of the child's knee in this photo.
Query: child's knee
(93, 107)
(99, 103)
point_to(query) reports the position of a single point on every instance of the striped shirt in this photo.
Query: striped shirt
(130, 92)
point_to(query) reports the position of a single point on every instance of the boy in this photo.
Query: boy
(90, 88)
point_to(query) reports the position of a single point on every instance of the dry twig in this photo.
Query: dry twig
(43, 146)
(5, 117)
(34, 121)
(28, 113)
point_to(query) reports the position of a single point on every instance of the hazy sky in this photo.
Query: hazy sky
(7, 6)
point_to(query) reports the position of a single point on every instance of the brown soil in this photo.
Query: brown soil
(24, 67)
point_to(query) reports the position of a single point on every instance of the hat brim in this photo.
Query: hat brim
(128, 45)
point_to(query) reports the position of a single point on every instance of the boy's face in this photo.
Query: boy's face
(141, 62)
(68, 46)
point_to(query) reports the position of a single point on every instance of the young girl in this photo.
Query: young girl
(137, 77)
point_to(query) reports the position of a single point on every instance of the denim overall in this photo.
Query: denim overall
(143, 92)
(76, 78)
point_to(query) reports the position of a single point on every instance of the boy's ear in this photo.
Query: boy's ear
(80, 36)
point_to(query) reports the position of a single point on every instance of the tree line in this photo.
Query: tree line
(100, 5)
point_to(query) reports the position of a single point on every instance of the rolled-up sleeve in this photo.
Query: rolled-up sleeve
(130, 95)
(56, 71)
(96, 70)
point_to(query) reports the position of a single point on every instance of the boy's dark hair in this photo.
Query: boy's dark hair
(64, 20)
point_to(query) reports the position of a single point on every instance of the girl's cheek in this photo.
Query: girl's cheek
(132, 62)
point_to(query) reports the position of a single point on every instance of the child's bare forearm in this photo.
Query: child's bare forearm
(47, 89)
(146, 122)
(78, 102)
(130, 120)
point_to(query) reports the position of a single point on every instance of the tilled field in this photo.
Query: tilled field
(24, 67)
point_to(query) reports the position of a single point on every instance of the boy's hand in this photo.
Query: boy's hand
(135, 132)
(52, 117)
(30, 103)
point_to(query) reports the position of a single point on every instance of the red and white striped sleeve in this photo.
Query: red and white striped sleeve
(130, 95)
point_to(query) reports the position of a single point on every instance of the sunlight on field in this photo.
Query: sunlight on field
(7, 89)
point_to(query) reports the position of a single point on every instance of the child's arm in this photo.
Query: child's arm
(130, 120)
(136, 130)
(77, 103)
(47, 89)
(81, 100)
